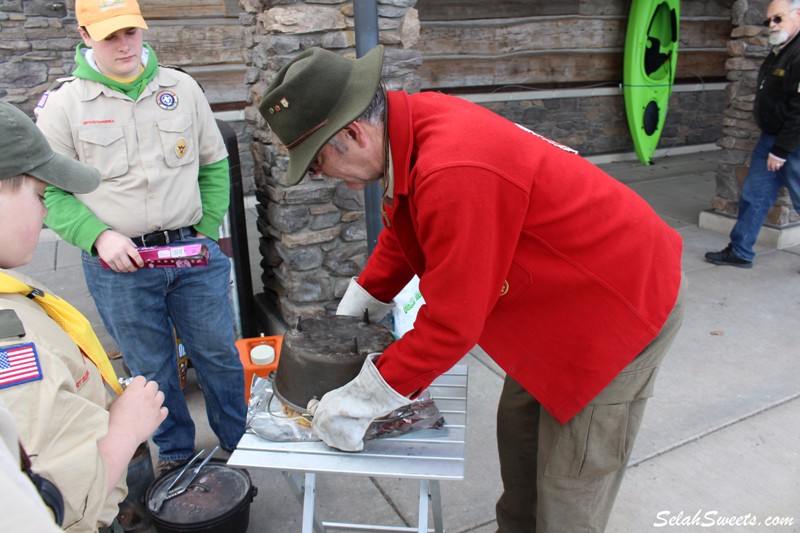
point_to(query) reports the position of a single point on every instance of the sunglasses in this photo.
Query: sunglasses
(777, 19)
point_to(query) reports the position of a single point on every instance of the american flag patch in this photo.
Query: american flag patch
(19, 364)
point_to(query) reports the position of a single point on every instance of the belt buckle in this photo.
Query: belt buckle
(166, 236)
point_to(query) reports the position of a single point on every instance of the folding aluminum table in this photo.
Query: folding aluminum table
(426, 455)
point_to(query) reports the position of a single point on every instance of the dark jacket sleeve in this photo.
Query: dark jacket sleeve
(788, 137)
(777, 105)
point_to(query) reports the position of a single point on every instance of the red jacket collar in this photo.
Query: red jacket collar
(401, 138)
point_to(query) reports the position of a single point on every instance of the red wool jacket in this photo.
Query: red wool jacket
(561, 273)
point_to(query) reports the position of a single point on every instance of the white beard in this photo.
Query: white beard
(778, 38)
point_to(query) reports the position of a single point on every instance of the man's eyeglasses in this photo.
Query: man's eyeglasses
(777, 19)
(314, 170)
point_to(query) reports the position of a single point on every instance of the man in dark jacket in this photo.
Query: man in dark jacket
(775, 160)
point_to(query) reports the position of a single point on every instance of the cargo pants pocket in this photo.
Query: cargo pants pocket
(599, 439)
(592, 444)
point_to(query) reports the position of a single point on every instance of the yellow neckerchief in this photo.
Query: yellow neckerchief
(71, 321)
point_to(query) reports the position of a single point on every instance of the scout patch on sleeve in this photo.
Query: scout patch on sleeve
(54, 87)
(42, 100)
(19, 364)
(10, 324)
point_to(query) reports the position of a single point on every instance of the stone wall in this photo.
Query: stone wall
(37, 44)
(312, 235)
(747, 49)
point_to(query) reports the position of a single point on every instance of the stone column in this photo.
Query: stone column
(312, 235)
(747, 49)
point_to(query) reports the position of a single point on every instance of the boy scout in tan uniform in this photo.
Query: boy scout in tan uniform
(165, 180)
(21, 507)
(63, 414)
(158, 193)
(52, 366)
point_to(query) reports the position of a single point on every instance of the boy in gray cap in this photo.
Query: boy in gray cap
(52, 367)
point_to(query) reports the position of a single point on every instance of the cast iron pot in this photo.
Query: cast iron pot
(217, 501)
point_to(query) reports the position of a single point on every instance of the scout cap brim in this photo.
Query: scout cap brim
(24, 150)
(314, 97)
(101, 30)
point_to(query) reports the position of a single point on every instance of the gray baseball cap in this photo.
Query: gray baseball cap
(24, 150)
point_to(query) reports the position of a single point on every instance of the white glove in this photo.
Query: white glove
(356, 299)
(343, 415)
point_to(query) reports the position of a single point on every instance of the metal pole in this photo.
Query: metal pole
(366, 24)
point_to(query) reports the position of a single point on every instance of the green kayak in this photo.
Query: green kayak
(651, 53)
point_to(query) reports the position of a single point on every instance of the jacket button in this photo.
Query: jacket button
(504, 290)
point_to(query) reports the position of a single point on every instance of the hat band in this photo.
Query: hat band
(306, 135)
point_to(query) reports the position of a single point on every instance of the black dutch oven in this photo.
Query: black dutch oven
(217, 501)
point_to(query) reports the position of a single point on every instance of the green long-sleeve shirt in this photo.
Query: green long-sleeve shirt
(156, 143)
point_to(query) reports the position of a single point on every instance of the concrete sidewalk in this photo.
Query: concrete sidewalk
(719, 446)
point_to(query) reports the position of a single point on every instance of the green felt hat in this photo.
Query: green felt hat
(314, 97)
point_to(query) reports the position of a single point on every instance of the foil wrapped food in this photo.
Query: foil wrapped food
(269, 419)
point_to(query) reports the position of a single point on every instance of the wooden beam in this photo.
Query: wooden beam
(222, 85)
(555, 33)
(481, 9)
(182, 9)
(543, 69)
(197, 44)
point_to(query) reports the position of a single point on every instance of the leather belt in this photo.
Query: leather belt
(160, 238)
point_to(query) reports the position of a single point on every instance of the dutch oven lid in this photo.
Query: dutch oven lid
(217, 490)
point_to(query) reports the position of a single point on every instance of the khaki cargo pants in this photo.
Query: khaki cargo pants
(564, 478)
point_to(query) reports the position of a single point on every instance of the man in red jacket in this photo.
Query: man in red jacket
(564, 276)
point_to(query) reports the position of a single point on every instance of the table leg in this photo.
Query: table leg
(309, 488)
(422, 520)
(301, 487)
(436, 504)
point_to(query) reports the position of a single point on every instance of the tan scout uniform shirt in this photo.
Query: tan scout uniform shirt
(148, 151)
(21, 507)
(61, 417)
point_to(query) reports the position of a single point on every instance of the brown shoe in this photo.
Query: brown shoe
(167, 466)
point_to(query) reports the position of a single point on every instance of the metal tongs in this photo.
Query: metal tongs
(175, 488)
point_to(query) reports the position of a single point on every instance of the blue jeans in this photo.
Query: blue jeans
(759, 193)
(139, 309)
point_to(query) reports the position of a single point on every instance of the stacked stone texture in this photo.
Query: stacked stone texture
(747, 49)
(37, 46)
(313, 235)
